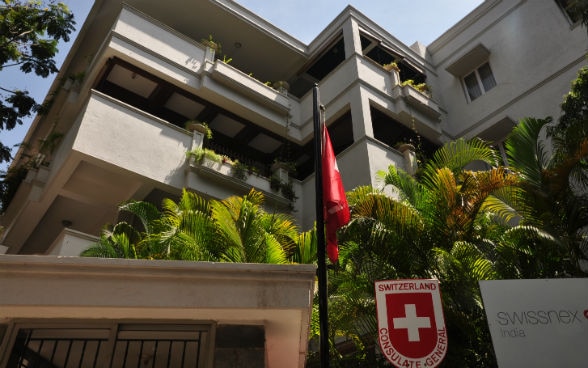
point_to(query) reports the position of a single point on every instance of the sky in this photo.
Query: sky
(408, 21)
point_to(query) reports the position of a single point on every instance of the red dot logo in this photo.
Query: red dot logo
(586, 313)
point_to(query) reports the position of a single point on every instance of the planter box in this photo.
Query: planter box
(420, 101)
(222, 173)
(234, 78)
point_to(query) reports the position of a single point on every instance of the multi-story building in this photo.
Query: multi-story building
(139, 71)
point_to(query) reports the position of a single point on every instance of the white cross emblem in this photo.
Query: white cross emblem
(411, 322)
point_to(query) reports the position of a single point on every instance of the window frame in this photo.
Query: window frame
(479, 81)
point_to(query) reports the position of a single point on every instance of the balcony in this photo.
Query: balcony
(420, 101)
(252, 88)
(277, 189)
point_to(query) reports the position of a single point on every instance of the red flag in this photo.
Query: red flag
(336, 209)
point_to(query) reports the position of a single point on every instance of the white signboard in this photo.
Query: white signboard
(538, 323)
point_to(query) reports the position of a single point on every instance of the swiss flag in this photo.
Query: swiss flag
(336, 209)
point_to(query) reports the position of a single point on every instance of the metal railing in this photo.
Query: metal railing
(124, 345)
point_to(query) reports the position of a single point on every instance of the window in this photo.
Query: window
(479, 81)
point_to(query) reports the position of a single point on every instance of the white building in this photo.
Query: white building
(139, 71)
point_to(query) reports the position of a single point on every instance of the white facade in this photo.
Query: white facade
(138, 72)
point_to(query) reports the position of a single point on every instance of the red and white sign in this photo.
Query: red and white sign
(411, 327)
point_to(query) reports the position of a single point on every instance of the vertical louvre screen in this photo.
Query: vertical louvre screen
(134, 345)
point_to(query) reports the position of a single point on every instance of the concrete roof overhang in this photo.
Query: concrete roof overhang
(278, 297)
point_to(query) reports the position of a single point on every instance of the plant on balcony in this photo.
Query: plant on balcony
(424, 88)
(252, 170)
(391, 66)
(199, 154)
(226, 59)
(199, 126)
(226, 160)
(405, 146)
(284, 187)
(421, 87)
(288, 191)
(281, 86)
(239, 170)
(289, 166)
(275, 183)
(211, 43)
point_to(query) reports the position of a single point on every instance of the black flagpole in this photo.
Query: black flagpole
(320, 233)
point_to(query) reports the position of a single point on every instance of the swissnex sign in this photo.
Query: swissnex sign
(538, 323)
(411, 327)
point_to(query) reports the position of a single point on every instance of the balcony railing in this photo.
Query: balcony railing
(242, 177)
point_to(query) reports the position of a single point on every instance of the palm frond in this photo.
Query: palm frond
(306, 248)
(408, 188)
(146, 212)
(526, 152)
(456, 155)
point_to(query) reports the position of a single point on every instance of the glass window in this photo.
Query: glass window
(487, 77)
(479, 81)
(471, 82)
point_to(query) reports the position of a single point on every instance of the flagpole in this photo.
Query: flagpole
(320, 234)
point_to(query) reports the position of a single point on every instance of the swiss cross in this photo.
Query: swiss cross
(411, 322)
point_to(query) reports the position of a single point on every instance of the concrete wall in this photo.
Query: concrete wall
(534, 54)
(41, 289)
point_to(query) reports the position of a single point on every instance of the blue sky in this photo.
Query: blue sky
(409, 21)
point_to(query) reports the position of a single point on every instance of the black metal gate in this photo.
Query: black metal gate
(120, 345)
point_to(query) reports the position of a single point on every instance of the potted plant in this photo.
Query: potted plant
(200, 155)
(421, 87)
(405, 146)
(195, 125)
(288, 191)
(288, 166)
(211, 43)
(281, 86)
(424, 88)
(239, 170)
(391, 66)
(275, 182)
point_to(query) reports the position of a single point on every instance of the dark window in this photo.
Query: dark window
(479, 81)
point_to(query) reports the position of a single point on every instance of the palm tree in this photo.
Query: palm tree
(555, 185)
(247, 233)
(433, 226)
(236, 229)
(305, 251)
(114, 243)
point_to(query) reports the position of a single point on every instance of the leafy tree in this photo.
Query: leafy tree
(555, 181)
(462, 226)
(115, 243)
(29, 34)
(441, 225)
(236, 229)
